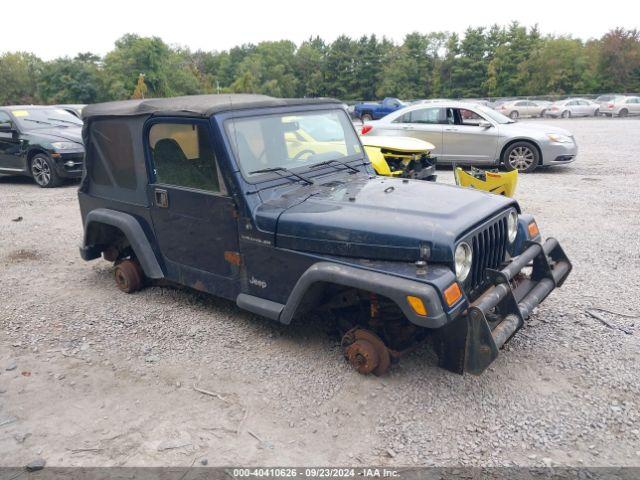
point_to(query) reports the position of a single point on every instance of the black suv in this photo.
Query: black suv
(44, 143)
(246, 197)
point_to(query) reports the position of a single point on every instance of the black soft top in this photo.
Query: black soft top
(194, 105)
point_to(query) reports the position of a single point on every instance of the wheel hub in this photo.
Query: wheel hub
(41, 171)
(366, 352)
(363, 356)
(521, 158)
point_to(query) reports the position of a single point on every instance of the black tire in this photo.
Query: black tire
(366, 117)
(514, 115)
(543, 113)
(566, 114)
(596, 113)
(43, 171)
(623, 113)
(128, 276)
(521, 156)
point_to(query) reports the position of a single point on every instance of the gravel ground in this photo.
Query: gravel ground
(93, 377)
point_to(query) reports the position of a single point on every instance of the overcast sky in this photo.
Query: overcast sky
(65, 27)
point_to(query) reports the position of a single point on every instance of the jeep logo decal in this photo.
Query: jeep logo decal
(258, 283)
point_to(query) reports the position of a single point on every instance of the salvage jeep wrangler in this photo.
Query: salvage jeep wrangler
(273, 204)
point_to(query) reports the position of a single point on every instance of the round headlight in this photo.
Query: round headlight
(512, 226)
(463, 258)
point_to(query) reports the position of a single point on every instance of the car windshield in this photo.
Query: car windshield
(36, 118)
(493, 115)
(292, 140)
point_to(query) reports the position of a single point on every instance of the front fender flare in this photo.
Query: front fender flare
(132, 229)
(392, 287)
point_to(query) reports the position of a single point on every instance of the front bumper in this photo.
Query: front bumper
(471, 342)
(69, 164)
(558, 153)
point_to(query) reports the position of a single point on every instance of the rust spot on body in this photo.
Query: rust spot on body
(234, 258)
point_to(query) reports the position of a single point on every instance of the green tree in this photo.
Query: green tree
(505, 73)
(309, 62)
(619, 62)
(468, 69)
(77, 80)
(168, 71)
(338, 68)
(559, 66)
(19, 75)
(408, 73)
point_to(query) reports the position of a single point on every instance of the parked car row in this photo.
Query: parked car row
(609, 105)
(472, 134)
(42, 142)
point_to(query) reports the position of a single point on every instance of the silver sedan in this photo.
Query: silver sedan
(573, 107)
(523, 108)
(621, 106)
(468, 134)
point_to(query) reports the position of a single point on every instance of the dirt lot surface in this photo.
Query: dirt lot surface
(94, 377)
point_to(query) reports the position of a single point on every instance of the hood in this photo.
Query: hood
(380, 218)
(533, 129)
(403, 144)
(69, 134)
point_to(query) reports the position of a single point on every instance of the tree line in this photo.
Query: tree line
(494, 61)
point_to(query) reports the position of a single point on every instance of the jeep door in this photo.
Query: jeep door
(466, 141)
(193, 217)
(425, 124)
(10, 158)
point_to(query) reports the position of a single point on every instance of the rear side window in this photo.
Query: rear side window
(112, 152)
(424, 115)
(182, 156)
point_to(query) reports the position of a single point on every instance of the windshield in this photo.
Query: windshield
(292, 140)
(493, 115)
(35, 118)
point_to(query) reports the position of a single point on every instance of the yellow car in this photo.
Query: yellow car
(403, 157)
(409, 157)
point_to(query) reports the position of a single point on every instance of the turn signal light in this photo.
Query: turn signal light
(366, 129)
(452, 293)
(417, 305)
(533, 229)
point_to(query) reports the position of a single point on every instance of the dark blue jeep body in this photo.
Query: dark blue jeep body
(278, 245)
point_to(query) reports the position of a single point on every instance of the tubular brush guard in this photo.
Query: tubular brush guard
(471, 342)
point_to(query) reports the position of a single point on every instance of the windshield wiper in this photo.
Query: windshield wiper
(37, 121)
(339, 162)
(65, 121)
(280, 170)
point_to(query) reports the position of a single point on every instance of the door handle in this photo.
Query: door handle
(161, 197)
(450, 129)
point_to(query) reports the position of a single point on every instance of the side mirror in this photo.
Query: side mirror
(6, 127)
(484, 124)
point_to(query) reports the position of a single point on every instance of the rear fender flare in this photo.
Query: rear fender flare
(132, 229)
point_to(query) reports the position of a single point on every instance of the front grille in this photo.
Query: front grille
(489, 247)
